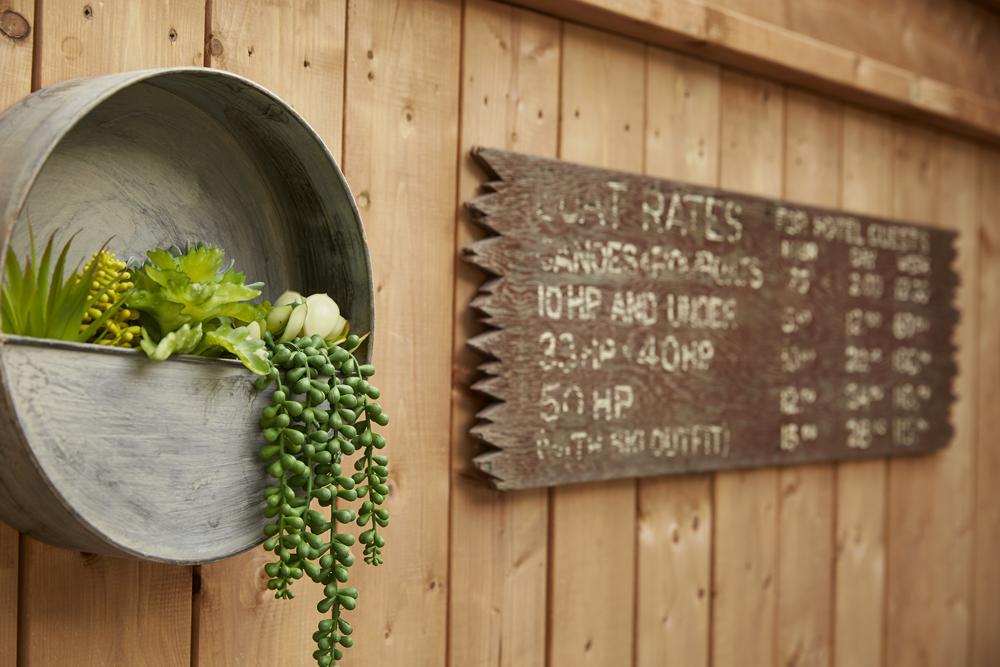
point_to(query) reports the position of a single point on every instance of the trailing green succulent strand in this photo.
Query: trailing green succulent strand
(305, 451)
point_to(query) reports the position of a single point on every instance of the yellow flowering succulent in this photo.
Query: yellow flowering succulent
(115, 330)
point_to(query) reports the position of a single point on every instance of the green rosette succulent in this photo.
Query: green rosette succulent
(190, 303)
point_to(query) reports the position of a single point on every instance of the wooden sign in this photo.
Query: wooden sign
(645, 326)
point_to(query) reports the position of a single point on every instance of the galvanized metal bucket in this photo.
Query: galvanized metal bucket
(103, 450)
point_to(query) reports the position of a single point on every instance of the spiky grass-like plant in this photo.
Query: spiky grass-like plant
(37, 302)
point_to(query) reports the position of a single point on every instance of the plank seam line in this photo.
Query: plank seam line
(206, 43)
(20, 650)
(833, 562)
(974, 403)
(710, 635)
(343, 115)
(196, 595)
(549, 571)
(887, 471)
(636, 483)
(36, 47)
(958, 118)
(886, 463)
(550, 494)
(637, 510)
(195, 647)
(835, 491)
(456, 257)
(980, 245)
(712, 498)
(779, 502)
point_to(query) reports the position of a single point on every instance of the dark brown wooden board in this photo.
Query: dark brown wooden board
(645, 326)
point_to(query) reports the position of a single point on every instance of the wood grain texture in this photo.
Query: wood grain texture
(867, 187)
(401, 142)
(806, 502)
(8, 595)
(80, 39)
(117, 612)
(603, 124)
(15, 49)
(682, 111)
(86, 600)
(66, 593)
(15, 83)
(930, 500)
(499, 541)
(297, 52)
(673, 580)
(951, 42)
(240, 622)
(746, 522)
(986, 582)
(735, 39)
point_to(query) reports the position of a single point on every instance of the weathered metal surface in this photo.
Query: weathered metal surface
(164, 466)
(644, 326)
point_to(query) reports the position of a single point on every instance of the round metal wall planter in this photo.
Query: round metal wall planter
(103, 450)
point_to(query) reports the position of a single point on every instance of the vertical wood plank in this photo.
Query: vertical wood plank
(675, 513)
(746, 537)
(117, 611)
(499, 540)
(297, 52)
(86, 39)
(986, 639)
(953, 556)
(16, 51)
(867, 180)
(15, 83)
(682, 112)
(806, 503)
(930, 498)
(593, 525)
(917, 171)
(8, 595)
(401, 142)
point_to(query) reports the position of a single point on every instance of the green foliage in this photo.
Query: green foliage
(188, 289)
(307, 442)
(38, 302)
(191, 304)
(238, 342)
(181, 341)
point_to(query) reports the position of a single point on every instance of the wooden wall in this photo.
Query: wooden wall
(949, 40)
(884, 563)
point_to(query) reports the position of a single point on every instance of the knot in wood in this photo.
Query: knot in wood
(14, 25)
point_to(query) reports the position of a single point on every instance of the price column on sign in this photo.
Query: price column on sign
(863, 322)
(797, 354)
(911, 328)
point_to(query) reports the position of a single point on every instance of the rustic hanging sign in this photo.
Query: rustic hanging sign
(645, 326)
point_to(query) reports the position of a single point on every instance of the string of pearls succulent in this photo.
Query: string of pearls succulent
(321, 412)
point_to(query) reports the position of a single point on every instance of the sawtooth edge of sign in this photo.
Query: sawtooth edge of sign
(489, 466)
